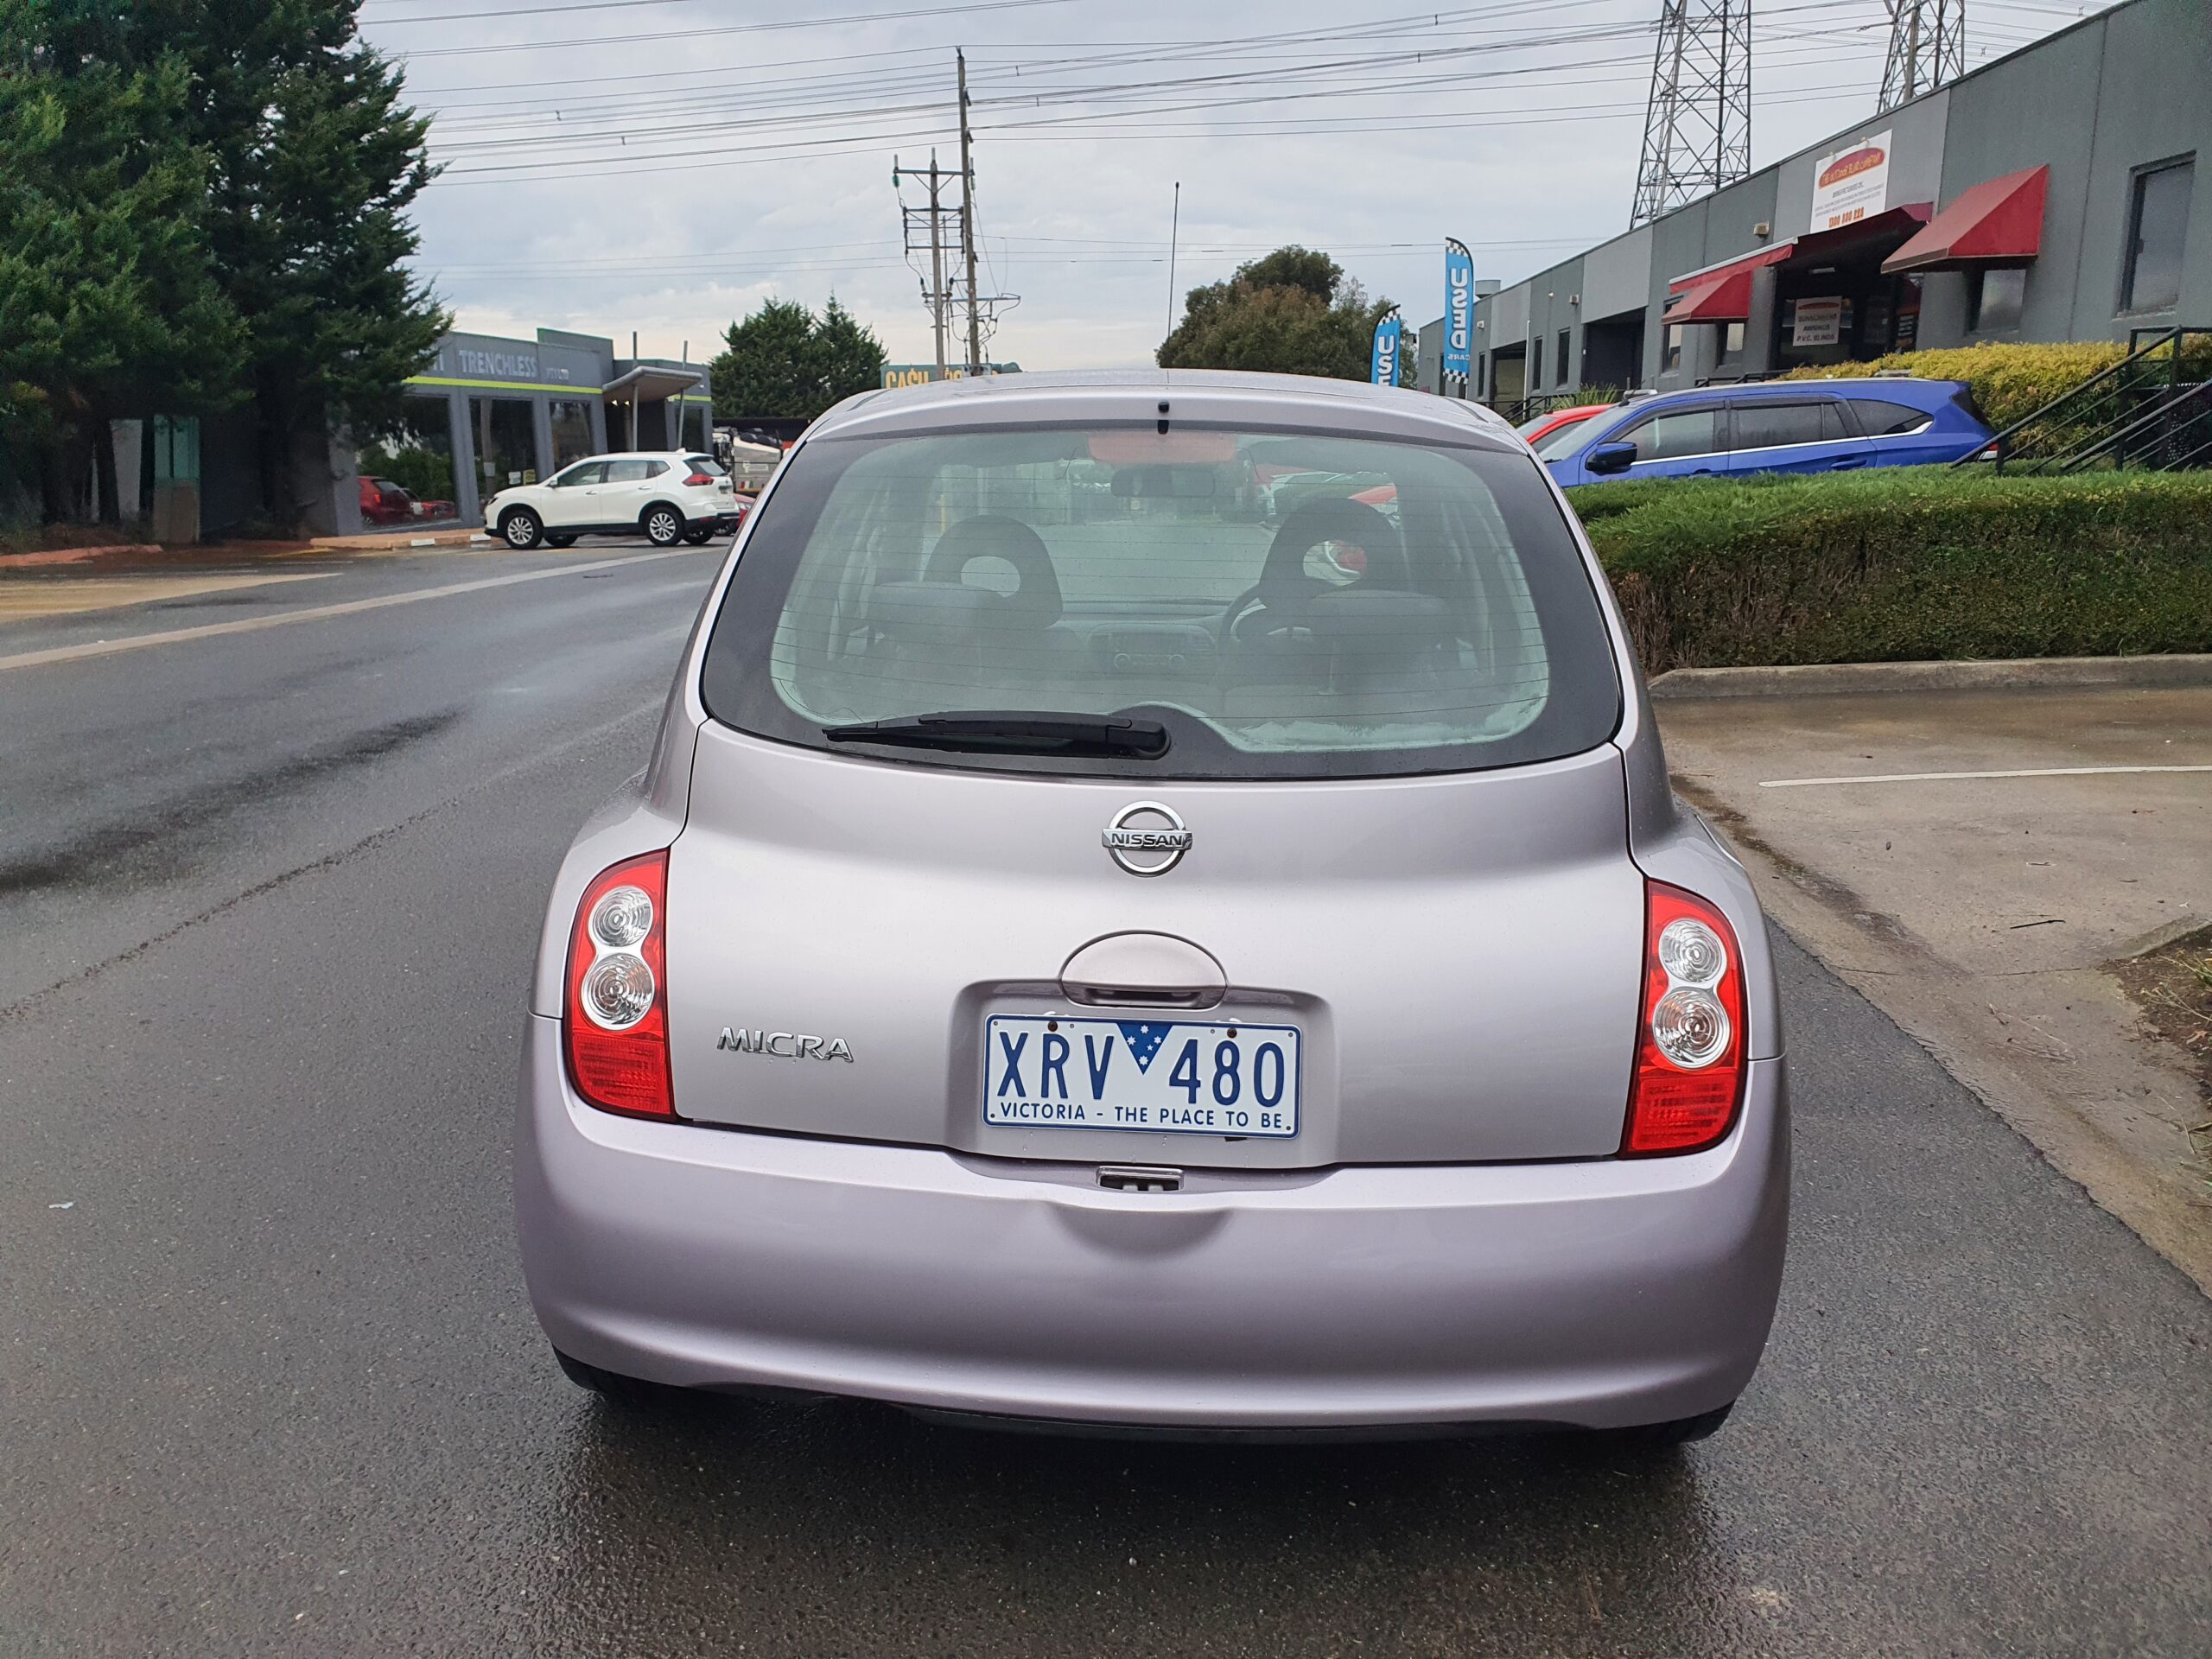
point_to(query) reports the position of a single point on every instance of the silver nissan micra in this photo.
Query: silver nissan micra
(1156, 905)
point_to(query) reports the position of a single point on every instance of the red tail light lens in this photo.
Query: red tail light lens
(1689, 1045)
(614, 1018)
(699, 480)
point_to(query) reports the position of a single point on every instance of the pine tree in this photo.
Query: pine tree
(108, 306)
(779, 363)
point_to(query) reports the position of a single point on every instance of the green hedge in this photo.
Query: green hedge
(1906, 564)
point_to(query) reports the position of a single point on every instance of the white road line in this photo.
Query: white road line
(1941, 777)
(317, 613)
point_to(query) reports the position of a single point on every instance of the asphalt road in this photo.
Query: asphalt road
(269, 1383)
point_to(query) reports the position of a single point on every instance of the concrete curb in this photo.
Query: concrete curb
(386, 541)
(1840, 679)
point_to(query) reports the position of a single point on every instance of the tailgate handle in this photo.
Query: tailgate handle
(1139, 1178)
(1136, 970)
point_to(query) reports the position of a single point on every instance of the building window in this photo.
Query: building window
(417, 453)
(571, 421)
(506, 449)
(1731, 345)
(1994, 299)
(1559, 373)
(1673, 360)
(2158, 225)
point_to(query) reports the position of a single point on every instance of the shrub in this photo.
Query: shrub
(2010, 381)
(1906, 564)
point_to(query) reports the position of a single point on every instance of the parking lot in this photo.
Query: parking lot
(1981, 862)
(269, 1382)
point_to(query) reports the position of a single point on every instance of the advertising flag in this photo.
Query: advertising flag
(1458, 308)
(1383, 368)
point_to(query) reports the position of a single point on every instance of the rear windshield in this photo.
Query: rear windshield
(1279, 605)
(706, 464)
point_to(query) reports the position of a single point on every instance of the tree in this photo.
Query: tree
(1290, 312)
(315, 161)
(781, 364)
(108, 305)
(308, 163)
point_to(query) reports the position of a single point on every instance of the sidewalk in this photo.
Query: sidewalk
(1978, 863)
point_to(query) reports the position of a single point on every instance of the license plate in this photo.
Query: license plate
(1178, 1077)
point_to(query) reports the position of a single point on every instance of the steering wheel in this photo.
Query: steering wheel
(1285, 590)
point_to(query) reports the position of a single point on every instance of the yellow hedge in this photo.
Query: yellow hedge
(2010, 381)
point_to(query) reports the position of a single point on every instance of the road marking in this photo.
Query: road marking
(317, 613)
(48, 596)
(1942, 776)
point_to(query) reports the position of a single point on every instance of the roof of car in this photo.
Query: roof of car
(1209, 395)
(1887, 385)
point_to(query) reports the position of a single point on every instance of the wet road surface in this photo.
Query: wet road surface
(269, 1383)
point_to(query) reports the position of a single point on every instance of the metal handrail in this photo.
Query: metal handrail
(2173, 336)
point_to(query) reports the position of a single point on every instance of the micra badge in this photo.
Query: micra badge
(785, 1045)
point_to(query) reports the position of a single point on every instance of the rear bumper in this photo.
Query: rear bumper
(1600, 1294)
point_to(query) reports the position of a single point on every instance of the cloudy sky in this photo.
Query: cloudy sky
(664, 165)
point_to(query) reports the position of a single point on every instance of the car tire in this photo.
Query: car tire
(701, 536)
(663, 524)
(521, 529)
(560, 541)
(630, 1392)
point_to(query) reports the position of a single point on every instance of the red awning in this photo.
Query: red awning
(1999, 221)
(1724, 298)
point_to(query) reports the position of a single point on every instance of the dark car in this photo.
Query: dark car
(1775, 426)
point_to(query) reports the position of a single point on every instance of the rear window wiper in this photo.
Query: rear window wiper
(1012, 731)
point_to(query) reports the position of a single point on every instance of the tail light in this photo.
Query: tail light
(614, 1017)
(1689, 1045)
(698, 480)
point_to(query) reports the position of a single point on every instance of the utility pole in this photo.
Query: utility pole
(968, 224)
(1175, 234)
(927, 226)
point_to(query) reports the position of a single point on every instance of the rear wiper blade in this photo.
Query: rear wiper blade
(1015, 731)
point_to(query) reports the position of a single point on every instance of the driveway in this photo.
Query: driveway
(1978, 862)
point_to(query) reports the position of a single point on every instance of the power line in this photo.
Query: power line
(697, 33)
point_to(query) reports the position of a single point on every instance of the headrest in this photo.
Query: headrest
(1334, 519)
(1036, 603)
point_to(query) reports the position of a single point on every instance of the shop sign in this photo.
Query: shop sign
(1818, 322)
(495, 365)
(1852, 183)
(920, 374)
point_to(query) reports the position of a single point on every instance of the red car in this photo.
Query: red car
(1558, 421)
(383, 502)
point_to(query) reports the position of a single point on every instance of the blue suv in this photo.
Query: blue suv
(1772, 426)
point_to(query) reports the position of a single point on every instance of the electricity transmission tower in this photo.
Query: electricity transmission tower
(1928, 46)
(1697, 129)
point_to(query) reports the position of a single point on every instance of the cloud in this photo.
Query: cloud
(671, 177)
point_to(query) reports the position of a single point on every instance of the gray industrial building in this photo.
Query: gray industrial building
(2045, 196)
(491, 411)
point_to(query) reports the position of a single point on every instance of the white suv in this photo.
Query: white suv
(667, 495)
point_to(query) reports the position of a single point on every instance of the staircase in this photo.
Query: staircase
(2151, 409)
